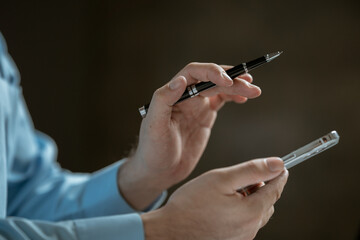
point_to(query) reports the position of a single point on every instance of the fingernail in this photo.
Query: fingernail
(174, 84)
(274, 164)
(228, 79)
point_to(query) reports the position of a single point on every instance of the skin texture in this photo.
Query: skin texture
(171, 142)
(173, 138)
(209, 207)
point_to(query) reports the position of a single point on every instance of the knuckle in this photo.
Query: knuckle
(191, 65)
(278, 194)
(262, 223)
(272, 210)
(285, 178)
(252, 165)
(253, 168)
(266, 217)
(212, 173)
(219, 174)
(159, 93)
(215, 68)
(249, 76)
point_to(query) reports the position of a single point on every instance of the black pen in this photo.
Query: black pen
(194, 90)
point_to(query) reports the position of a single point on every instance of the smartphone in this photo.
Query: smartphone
(300, 155)
(311, 149)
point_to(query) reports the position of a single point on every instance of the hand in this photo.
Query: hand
(173, 138)
(209, 207)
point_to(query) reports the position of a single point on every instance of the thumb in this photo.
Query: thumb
(165, 97)
(252, 172)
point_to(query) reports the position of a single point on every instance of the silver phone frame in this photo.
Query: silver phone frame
(309, 150)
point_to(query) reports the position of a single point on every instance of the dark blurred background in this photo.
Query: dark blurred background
(87, 66)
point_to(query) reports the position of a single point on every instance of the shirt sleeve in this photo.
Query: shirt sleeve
(37, 187)
(127, 226)
(45, 201)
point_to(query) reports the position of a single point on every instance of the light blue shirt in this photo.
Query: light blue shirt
(38, 199)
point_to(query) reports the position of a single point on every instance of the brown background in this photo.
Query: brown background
(88, 65)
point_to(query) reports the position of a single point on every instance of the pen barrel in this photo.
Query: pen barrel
(236, 71)
(246, 191)
(245, 67)
(201, 86)
(194, 90)
(184, 96)
(256, 63)
(191, 91)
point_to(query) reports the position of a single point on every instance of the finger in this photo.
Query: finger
(267, 216)
(205, 72)
(250, 189)
(238, 99)
(228, 98)
(246, 76)
(226, 67)
(217, 101)
(251, 172)
(164, 98)
(240, 87)
(271, 192)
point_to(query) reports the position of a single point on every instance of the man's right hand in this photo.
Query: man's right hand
(209, 207)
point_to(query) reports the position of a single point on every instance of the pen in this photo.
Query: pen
(194, 90)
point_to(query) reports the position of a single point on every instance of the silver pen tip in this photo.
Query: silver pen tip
(272, 56)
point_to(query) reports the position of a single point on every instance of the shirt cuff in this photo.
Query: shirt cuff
(128, 226)
(103, 198)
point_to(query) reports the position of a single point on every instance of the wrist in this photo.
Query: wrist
(136, 186)
(156, 225)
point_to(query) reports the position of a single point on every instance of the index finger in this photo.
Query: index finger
(246, 76)
(205, 72)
